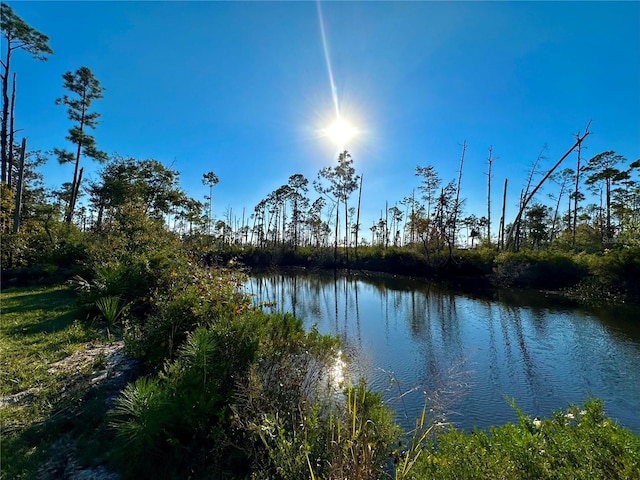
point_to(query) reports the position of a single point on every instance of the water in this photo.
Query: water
(464, 354)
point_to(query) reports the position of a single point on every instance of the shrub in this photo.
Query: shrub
(542, 269)
(577, 443)
(232, 371)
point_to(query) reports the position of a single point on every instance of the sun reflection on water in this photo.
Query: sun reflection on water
(337, 371)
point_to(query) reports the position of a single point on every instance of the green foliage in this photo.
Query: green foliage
(22, 36)
(134, 258)
(346, 438)
(19, 36)
(179, 304)
(39, 254)
(227, 364)
(479, 261)
(111, 309)
(578, 443)
(588, 240)
(128, 184)
(85, 89)
(538, 269)
(7, 205)
(361, 436)
(613, 277)
(139, 418)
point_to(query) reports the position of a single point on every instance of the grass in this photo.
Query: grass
(39, 328)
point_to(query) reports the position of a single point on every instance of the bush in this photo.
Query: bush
(578, 443)
(614, 276)
(232, 372)
(543, 269)
(35, 256)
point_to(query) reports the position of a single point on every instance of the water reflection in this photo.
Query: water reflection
(417, 342)
(337, 372)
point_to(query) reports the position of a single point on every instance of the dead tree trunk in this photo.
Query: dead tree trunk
(358, 215)
(456, 205)
(11, 133)
(504, 204)
(528, 198)
(575, 196)
(74, 195)
(20, 183)
(490, 162)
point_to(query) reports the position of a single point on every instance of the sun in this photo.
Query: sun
(341, 132)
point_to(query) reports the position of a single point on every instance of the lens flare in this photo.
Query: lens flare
(327, 59)
(341, 131)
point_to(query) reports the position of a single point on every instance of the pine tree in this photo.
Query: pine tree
(85, 89)
(19, 36)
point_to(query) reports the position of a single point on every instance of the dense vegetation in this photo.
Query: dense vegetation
(225, 390)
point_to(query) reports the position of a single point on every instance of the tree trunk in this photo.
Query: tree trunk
(575, 196)
(608, 191)
(335, 244)
(386, 224)
(75, 186)
(555, 214)
(20, 183)
(5, 112)
(346, 231)
(504, 204)
(74, 196)
(284, 222)
(358, 215)
(490, 161)
(11, 132)
(456, 204)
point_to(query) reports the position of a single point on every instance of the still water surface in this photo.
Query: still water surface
(414, 341)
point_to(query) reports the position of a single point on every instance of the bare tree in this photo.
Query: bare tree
(527, 198)
(490, 161)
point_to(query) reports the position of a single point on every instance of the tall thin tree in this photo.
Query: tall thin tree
(576, 191)
(85, 89)
(604, 170)
(490, 161)
(358, 215)
(210, 179)
(456, 205)
(502, 220)
(19, 36)
(342, 182)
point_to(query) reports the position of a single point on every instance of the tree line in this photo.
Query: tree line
(594, 205)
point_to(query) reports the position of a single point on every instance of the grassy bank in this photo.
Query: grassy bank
(39, 390)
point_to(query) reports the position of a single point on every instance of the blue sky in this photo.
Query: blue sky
(242, 89)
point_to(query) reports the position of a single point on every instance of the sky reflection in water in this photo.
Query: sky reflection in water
(417, 342)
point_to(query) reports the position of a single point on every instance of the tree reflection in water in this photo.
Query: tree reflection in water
(418, 342)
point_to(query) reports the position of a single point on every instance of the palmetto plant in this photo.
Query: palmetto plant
(111, 309)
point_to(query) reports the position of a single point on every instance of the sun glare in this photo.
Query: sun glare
(341, 132)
